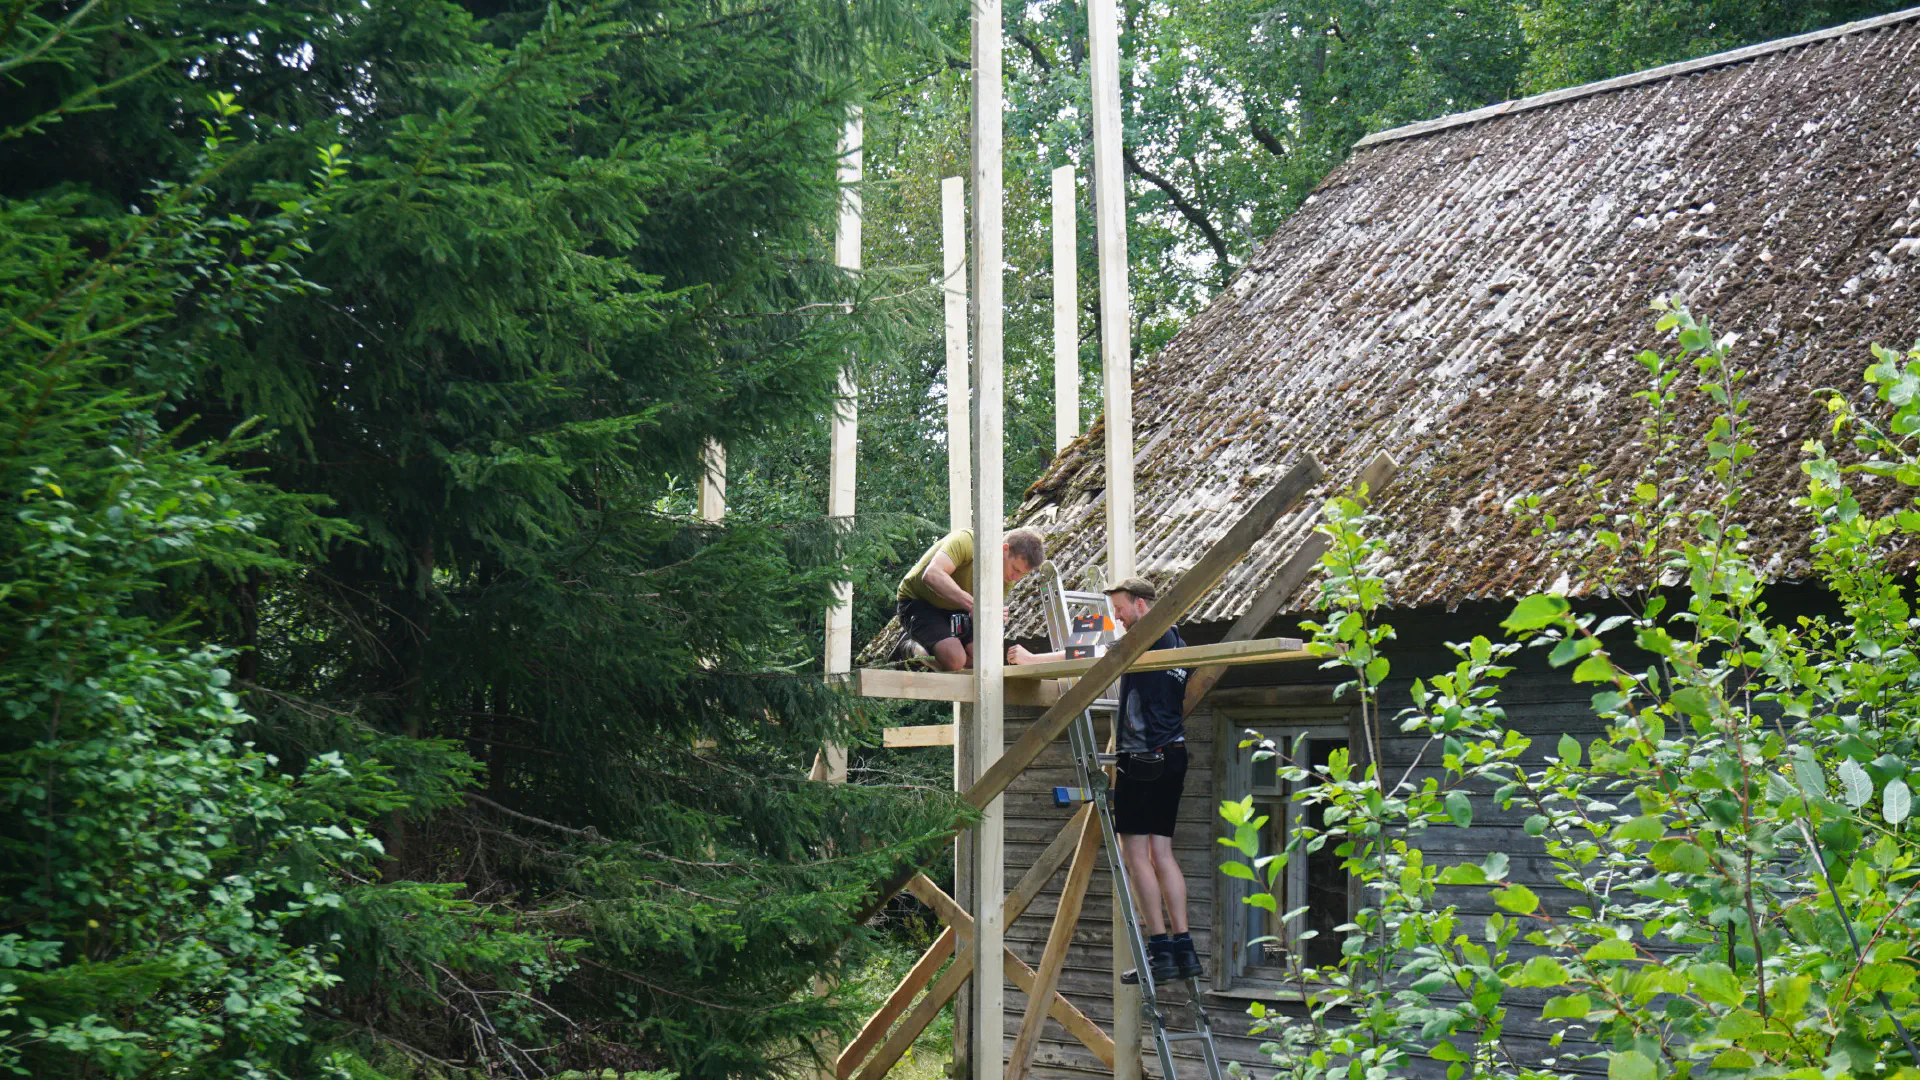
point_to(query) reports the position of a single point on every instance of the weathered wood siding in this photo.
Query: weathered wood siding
(1087, 980)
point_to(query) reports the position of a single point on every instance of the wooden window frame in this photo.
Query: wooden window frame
(1230, 972)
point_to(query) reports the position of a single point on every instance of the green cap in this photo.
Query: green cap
(1138, 586)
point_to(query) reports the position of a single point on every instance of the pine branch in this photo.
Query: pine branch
(738, 16)
(590, 835)
(707, 1003)
(53, 36)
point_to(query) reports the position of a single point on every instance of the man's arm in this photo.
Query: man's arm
(938, 576)
(1018, 654)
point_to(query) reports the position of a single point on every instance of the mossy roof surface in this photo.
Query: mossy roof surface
(1471, 301)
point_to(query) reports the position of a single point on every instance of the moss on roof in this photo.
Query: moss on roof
(1471, 300)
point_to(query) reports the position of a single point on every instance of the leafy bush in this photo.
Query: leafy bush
(151, 863)
(1737, 849)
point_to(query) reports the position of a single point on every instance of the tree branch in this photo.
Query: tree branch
(951, 63)
(1040, 58)
(1265, 137)
(590, 835)
(1194, 215)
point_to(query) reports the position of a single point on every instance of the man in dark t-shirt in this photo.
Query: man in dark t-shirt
(1146, 794)
(1152, 774)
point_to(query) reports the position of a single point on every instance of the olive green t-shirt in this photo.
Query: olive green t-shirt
(956, 545)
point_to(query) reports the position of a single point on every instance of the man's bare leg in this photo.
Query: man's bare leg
(1172, 882)
(1146, 887)
(951, 655)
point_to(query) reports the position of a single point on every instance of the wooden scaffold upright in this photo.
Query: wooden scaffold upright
(984, 765)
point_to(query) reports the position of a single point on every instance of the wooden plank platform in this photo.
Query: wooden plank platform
(951, 686)
(1224, 654)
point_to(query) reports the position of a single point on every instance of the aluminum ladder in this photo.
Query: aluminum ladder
(1090, 762)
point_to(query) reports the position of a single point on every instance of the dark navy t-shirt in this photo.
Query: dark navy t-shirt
(1151, 701)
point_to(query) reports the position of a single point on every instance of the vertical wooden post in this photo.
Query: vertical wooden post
(1116, 369)
(845, 434)
(953, 239)
(953, 233)
(1066, 312)
(1116, 318)
(713, 481)
(830, 764)
(989, 659)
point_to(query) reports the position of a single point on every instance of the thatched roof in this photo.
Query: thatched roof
(1468, 294)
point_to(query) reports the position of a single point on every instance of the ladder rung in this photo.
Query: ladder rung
(1188, 1036)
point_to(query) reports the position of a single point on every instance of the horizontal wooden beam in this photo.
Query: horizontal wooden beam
(957, 686)
(1224, 654)
(900, 738)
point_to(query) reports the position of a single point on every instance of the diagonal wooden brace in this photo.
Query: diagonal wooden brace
(1047, 980)
(1018, 972)
(1023, 894)
(1376, 476)
(1185, 593)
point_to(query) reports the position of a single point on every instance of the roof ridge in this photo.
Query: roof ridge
(1638, 78)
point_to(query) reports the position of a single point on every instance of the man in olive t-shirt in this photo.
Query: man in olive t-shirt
(933, 601)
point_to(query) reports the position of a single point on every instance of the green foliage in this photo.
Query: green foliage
(573, 242)
(154, 867)
(1577, 41)
(1736, 846)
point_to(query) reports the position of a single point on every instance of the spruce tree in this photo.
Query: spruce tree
(575, 242)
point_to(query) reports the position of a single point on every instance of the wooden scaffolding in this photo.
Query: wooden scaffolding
(984, 765)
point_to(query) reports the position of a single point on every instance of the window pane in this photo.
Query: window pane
(1262, 923)
(1326, 898)
(1311, 881)
(1265, 774)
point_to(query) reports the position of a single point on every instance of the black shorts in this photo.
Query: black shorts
(1148, 807)
(930, 625)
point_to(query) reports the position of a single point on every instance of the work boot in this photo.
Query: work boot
(1160, 960)
(1186, 959)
